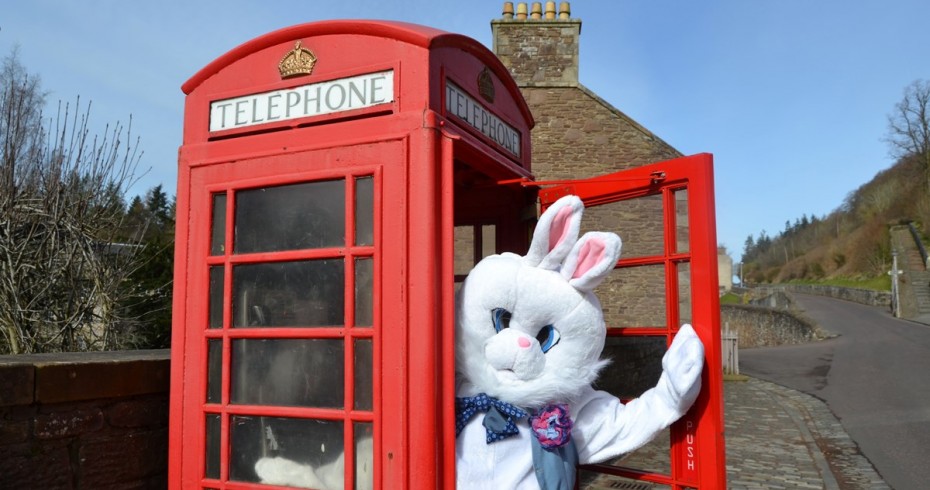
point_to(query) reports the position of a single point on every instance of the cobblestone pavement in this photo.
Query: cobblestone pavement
(776, 438)
(780, 438)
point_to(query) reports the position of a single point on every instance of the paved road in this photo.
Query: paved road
(875, 376)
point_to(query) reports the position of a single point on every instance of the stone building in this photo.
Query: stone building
(579, 134)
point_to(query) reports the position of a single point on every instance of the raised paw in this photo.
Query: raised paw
(683, 364)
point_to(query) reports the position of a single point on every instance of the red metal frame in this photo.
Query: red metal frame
(697, 447)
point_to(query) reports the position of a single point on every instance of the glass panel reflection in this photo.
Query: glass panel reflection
(464, 249)
(364, 456)
(363, 374)
(635, 365)
(654, 457)
(212, 456)
(218, 227)
(290, 217)
(634, 297)
(364, 292)
(289, 294)
(288, 372)
(318, 443)
(217, 276)
(684, 293)
(644, 215)
(488, 240)
(682, 230)
(364, 211)
(214, 370)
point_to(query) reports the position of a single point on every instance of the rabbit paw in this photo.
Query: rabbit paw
(281, 471)
(682, 365)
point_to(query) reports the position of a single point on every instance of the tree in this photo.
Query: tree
(151, 223)
(62, 267)
(909, 125)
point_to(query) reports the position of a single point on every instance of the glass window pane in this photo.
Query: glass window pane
(635, 365)
(364, 295)
(214, 370)
(684, 293)
(639, 222)
(364, 386)
(654, 457)
(288, 372)
(682, 231)
(488, 240)
(364, 211)
(464, 244)
(289, 294)
(317, 443)
(290, 217)
(217, 276)
(364, 456)
(212, 456)
(634, 297)
(218, 227)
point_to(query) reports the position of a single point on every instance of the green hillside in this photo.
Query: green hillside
(851, 245)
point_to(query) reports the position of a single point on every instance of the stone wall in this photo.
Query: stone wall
(84, 420)
(761, 326)
(861, 296)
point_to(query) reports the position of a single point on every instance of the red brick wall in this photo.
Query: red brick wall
(84, 421)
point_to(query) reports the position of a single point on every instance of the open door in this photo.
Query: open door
(667, 276)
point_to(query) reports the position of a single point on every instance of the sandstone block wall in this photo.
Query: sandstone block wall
(84, 421)
(761, 326)
(861, 296)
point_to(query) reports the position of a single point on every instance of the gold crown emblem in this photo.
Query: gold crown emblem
(486, 85)
(298, 61)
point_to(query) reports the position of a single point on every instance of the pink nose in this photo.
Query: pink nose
(523, 342)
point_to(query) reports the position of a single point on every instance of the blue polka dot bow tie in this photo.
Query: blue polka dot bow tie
(499, 420)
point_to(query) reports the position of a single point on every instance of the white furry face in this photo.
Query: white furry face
(525, 335)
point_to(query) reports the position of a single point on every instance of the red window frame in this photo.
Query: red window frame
(697, 446)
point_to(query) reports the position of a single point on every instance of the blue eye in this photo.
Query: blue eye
(501, 319)
(548, 336)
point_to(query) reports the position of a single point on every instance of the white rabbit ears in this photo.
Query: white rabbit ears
(583, 263)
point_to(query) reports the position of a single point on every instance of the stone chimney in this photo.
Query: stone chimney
(538, 45)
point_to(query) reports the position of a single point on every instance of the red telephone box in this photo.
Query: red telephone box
(335, 179)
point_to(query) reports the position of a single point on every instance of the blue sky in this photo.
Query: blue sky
(791, 96)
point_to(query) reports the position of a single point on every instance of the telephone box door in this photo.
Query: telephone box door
(290, 310)
(667, 276)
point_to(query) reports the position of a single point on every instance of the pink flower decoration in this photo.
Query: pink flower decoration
(552, 426)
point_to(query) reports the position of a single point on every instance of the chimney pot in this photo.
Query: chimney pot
(521, 11)
(550, 10)
(508, 10)
(537, 11)
(565, 11)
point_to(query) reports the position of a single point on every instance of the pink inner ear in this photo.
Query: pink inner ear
(591, 253)
(560, 226)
